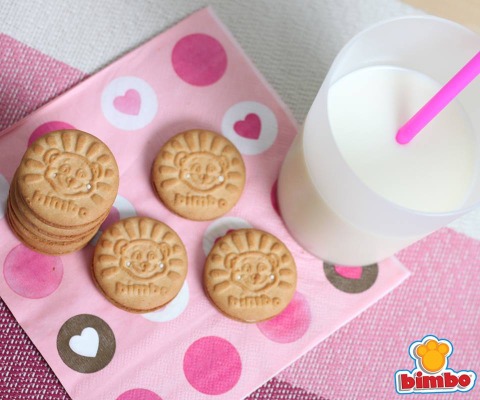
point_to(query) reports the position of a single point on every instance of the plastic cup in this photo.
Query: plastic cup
(326, 207)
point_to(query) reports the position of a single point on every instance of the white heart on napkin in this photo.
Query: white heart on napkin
(85, 344)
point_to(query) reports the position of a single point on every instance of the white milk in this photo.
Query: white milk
(433, 173)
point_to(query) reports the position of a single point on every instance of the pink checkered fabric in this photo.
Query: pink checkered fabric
(29, 79)
(441, 298)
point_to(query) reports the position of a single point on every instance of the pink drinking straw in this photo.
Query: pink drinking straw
(438, 102)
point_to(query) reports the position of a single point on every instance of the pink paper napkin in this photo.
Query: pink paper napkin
(194, 75)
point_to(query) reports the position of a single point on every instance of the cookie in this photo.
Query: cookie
(40, 245)
(250, 275)
(199, 175)
(68, 178)
(43, 228)
(139, 264)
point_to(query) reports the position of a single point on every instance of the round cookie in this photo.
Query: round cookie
(199, 175)
(68, 178)
(139, 264)
(250, 275)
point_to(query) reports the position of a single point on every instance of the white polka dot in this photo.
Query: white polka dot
(129, 103)
(220, 227)
(469, 224)
(251, 126)
(4, 187)
(124, 207)
(173, 309)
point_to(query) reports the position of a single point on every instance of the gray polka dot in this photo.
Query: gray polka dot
(86, 343)
(368, 278)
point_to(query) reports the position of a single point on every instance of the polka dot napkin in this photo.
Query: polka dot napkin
(193, 75)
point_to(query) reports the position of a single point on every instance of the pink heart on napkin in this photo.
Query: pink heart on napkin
(129, 103)
(250, 127)
(349, 272)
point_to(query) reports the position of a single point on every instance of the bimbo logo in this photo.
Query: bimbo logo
(431, 374)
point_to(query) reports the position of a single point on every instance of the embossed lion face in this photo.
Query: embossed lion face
(143, 258)
(201, 171)
(253, 270)
(70, 174)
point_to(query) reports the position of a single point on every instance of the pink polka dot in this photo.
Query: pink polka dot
(212, 365)
(274, 197)
(113, 216)
(291, 324)
(47, 127)
(139, 394)
(199, 59)
(30, 274)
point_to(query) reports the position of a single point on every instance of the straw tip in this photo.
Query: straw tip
(403, 137)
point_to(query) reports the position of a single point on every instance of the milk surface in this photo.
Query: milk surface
(434, 172)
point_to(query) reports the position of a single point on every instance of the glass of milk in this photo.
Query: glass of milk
(348, 192)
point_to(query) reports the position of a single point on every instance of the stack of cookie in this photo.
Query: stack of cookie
(62, 191)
